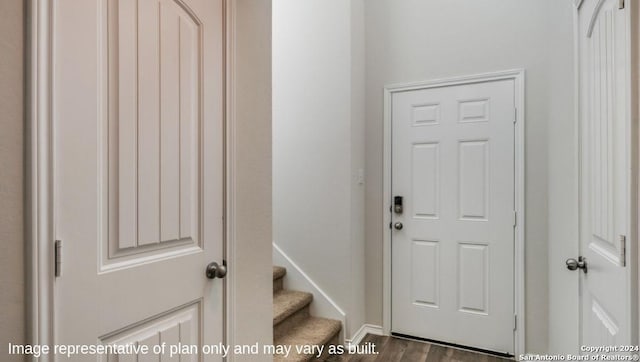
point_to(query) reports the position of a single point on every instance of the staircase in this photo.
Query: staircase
(293, 325)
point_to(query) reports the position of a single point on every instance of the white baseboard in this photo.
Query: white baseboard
(322, 305)
(362, 332)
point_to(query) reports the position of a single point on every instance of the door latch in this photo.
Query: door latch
(57, 263)
(623, 250)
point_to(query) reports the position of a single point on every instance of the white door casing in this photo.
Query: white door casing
(607, 209)
(137, 119)
(453, 160)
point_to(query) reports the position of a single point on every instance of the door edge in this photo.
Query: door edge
(229, 130)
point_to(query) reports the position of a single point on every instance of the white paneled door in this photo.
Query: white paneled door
(606, 173)
(453, 240)
(138, 174)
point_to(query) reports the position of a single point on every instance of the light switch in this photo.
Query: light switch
(360, 178)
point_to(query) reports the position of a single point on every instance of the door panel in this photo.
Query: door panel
(452, 263)
(138, 168)
(425, 259)
(473, 186)
(180, 326)
(473, 278)
(605, 173)
(154, 159)
(425, 185)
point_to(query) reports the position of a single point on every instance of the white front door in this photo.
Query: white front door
(606, 173)
(138, 171)
(453, 258)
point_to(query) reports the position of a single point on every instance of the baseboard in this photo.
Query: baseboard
(362, 332)
(297, 279)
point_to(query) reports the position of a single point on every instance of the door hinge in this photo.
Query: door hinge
(515, 322)
(515, 218)
(620, 4)
(515, 115)
(623, 250)
(58, 257)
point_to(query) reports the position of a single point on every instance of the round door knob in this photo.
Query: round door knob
(581, 263)
(398, 226)
(572, 264)
(214, 270)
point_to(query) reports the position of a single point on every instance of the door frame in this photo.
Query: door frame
(518, 76)
(39, 212)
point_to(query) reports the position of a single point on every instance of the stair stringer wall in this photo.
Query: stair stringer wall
(296, 279)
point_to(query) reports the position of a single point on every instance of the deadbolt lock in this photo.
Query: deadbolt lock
(397, 204)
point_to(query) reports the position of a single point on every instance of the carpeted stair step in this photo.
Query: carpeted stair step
(294, 326)
(310, 331)
(278, 277)
(287, 302)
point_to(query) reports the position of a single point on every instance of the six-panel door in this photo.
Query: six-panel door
(452, 263)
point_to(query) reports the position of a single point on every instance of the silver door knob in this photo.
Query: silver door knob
(398, 226)
(214, 270)
(581, 263)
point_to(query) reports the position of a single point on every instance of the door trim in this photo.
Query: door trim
(518, 76)
(634, 259)
(229, 185)
(39, 170)
(39, 215)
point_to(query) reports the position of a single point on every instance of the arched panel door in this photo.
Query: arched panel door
(606, 205)
(138, 174)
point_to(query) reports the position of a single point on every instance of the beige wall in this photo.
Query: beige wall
(252, 270)
(11, 176)
(414, 40)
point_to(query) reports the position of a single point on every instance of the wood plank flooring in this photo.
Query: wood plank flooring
(391, 349)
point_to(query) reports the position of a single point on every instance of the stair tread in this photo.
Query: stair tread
(279, 272)
(287, 302)
(313, 331)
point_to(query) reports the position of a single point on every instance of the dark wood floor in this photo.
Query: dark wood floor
(392, 349)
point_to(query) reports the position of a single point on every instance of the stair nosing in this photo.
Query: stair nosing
(279, 272)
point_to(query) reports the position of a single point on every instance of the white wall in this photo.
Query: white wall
(412, 40)
(12, 317)
(318, 145)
